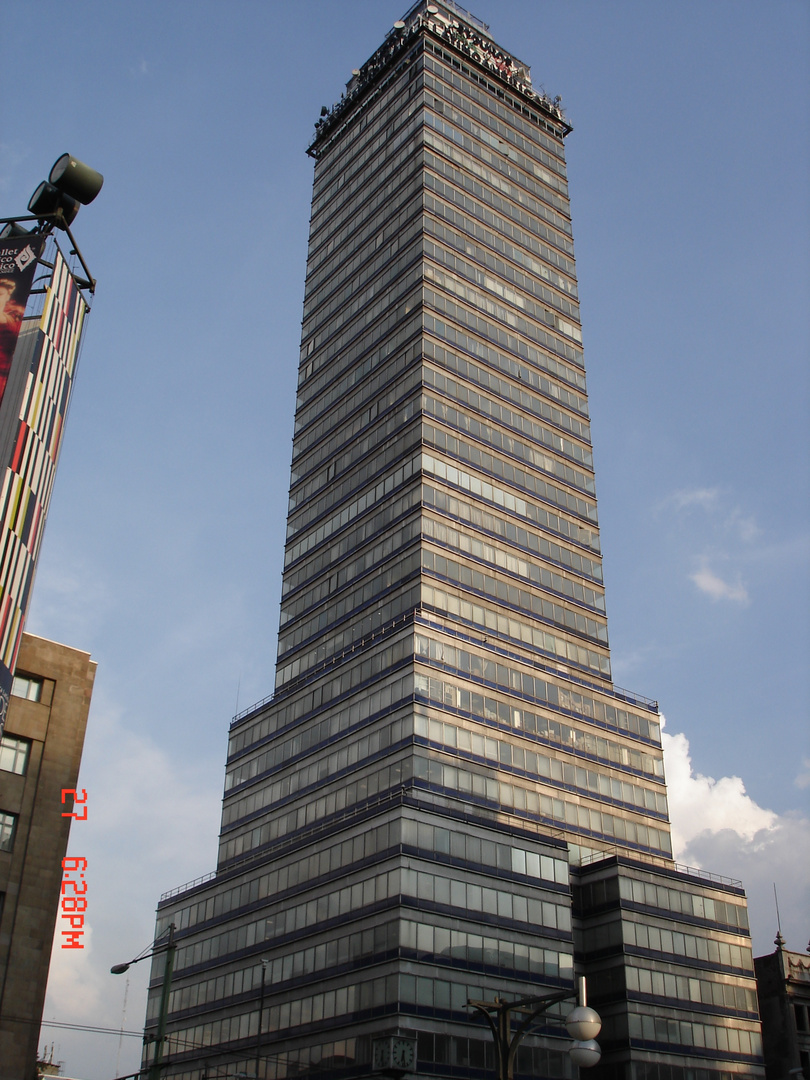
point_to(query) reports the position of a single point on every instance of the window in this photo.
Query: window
(27, 686)
(8, 825)
(800, 1012)
(14, 754)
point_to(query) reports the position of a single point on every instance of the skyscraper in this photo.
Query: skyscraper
(446, 798)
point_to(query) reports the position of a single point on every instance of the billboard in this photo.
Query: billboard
(18, 261)
(39, 346)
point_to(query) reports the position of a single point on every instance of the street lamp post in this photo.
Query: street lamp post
(582, 1024)
(163, 1012)
(264, 964)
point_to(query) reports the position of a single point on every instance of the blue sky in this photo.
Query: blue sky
(162, 556)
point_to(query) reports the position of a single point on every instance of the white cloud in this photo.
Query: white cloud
(714, 586)
(703, 497)
(152, 825)
(718, 827)
(803, 778)
(700, 803)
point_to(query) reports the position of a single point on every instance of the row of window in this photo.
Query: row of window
(463, 179)
(542, 916)
(478, 77)
(358, 315)
(420, 838)
(337, 952)
(672, 943)
(447, 203)
(349, 303)
(470, 92)
(384, 147)
(484, 129)
(436, 944)
(466, 395)
(486, 492)
(374, 663)
(495, 333)
(479, 1054)
(469, 665)
(394, 381)
(508, 363)
(485, 260)
(375, 158)
(314, 1057)
(429, 942)
(385, 105)
(398, 196)
(473, 273)
(496, 558)
(343, 449)
(488, 620)
(477, 851)
(536, 544)
(471, 229)
(353, 266)
(345, 545)
(684, 903)
(353, 754)
(361, 473)
(507, 445)
(525, 377)
(529, 803)
(532, 764)
(503, 470)
(536, 727)
(349, 272)
(535, 765)
(692, 1035)
(317, 372)
(321, 370)
(388, 337)
(522, 601)
(352, 636)
(685, 988)
(375, 783)
(353, 510)
(390, 547)
(478, 159)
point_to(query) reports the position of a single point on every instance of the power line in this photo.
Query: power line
(90, 1027)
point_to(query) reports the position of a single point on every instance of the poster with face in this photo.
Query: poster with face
(18, 261)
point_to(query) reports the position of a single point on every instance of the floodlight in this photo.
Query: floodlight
(76, 179)
(11, 230)
(49, 202)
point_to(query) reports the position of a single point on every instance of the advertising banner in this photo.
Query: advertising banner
(18, 261)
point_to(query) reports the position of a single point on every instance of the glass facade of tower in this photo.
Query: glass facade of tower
(445, 753)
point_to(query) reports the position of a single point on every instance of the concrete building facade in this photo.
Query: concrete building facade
(447, 797)
(783, 988)
(40, 753)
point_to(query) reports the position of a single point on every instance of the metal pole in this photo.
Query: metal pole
(171, 949)
(261, 1011)
(506, 1044)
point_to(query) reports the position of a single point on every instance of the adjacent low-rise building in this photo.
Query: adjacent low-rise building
(40, 754)
(783, 987)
